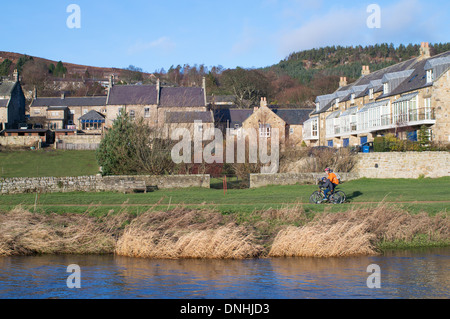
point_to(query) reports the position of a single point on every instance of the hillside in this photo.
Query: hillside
(74, 71)
(294, 81)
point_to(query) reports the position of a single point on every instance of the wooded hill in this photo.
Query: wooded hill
(294, 81)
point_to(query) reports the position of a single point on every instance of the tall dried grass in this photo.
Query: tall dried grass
(186, 234)
(357, 232)
(26, 233)
(205, 233)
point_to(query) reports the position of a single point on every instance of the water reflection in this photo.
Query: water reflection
(408, 274)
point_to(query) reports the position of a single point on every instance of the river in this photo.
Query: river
(401, 274)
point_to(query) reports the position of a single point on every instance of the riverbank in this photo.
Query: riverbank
(206, 233)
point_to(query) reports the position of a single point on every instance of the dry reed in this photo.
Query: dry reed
(186, 234)
(205, 233)
(357, 232)
(26, 233)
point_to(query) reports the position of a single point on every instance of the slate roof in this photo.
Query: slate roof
(181, 97)
(189, 117)
(69, 101)
(410, 75)
(148, 95)
(133, 95)
(293, 116)
(6, 87)
(93, 117)
(233, 116)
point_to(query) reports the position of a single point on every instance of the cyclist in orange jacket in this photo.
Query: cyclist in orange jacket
(332, 182)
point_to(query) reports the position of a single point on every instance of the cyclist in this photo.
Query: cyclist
(330, 182)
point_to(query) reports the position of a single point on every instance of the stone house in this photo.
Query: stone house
(12, 103)
(65, 112)
(263, 120)
(90, 115)
(399, 99)
(153, 102)
(198, 122)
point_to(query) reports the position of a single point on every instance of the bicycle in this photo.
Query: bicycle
(335, 197)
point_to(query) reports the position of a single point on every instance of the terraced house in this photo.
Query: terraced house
(12, 103)
(399, 99)
(91, 115)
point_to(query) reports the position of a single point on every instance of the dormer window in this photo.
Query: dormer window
(371, 94)
(385, 88)
(430, 76)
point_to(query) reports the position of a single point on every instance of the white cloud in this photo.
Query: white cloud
(404, 21)
(163, 44)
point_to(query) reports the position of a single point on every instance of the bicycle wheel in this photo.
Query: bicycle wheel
(336, 198)
(342, 195)
(315, 198)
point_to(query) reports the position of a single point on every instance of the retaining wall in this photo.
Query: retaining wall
(99, 184)
(403, 164)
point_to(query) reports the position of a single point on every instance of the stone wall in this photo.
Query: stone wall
(78, 142)
(403, 164)
(19, 140)
(371, 165)
(99, 184)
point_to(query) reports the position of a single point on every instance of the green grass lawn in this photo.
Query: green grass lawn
(415, 195)
(44, 163)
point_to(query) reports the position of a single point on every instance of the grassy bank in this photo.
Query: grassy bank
(47, 163)
(243, 223)
(415, 196)
(207, 233)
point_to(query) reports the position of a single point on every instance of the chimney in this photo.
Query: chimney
(263, 102)
(343, 81)
(204, 90)
(16, 75)
(158, 91)
(365, 70)
(424, 50)
(111, 80)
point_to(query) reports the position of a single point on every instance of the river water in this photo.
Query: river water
(401, 274)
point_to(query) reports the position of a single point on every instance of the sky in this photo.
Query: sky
(247, 33)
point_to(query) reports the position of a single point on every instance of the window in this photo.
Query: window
(147, 112)
(330, 143)
(353, 98)
(37, 111)
(427, 105)
(291, 130)
(264, 130)
(85, 111)
(429, 76)
(385, 88)
(72, 112)
(337, 103)
(317, 106)
(315, 128)
(132, 114)
(371, 94)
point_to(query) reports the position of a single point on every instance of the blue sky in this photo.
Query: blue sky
(247, 33)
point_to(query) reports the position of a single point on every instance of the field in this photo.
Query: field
(43, 163)
(428, 195)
